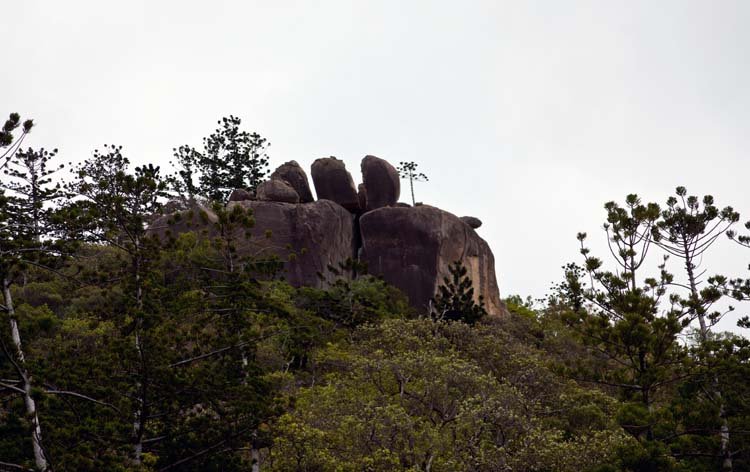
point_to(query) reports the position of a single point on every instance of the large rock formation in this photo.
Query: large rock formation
(316, 234)
(333, 182)
(411, 248)
(291, 173)
(277, 191)
(381, 181)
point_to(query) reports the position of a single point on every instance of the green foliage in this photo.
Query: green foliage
(7, 139)
(230, 159)
(410, 395)
(455, 298)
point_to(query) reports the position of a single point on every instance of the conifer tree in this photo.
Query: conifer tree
(113, 209)
(28, 237)
(7, 139)
(687, 229)
(622, 321)
(455, 298)
(408, 170)
(231, 158)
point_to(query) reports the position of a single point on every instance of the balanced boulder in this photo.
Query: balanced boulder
(333, 182)
(382, 182)
(240, 194)
(275, 190)
(291, 173)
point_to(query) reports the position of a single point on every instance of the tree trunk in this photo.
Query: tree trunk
(411, 184)
(139, 421)
(726, 454)
(255, 453)
(40, 461)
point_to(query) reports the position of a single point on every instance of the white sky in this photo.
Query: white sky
(529, 115)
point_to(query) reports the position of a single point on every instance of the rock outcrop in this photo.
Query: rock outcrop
(276, 191)
(333, 182)
(472, 221)
(411, 248)
(291, 173)
(382, 182)
(198, 219)
(316, 235)
(240, 194)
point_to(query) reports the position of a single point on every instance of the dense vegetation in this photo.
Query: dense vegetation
(122, 351)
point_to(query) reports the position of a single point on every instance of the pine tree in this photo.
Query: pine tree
(29, 237)
(687, 229)
(455, 298)
(8, 141)
(113, 209)
(408, 170)
(231, 158)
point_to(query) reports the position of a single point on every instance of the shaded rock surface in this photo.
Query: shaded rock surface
(333, 182)
(319, 234)
(412, 249)
(277, 191)
(199, 219)
(293, 174)
(382, 182)
(240, 194)
(362, 195)
(472, 221)
(315, 235)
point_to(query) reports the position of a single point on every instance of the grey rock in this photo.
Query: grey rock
(316, 234)
(412, 248)
(293, 174)
(382, 182)
(240, 194)
(362, 195)
(333, 182)
(275, 190)
(472, 221)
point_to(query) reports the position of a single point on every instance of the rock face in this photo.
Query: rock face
(381, 181)
(198, 219)
(277, 191)
(362, 195)
(318, 234)
(473, 222)
(240, 194)
(291, 173)
(413, 247)
(333, 182)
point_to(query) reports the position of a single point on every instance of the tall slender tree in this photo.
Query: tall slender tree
(687, 229)
(620, 317)
(113, 208)
(28, 237)
(408, 170)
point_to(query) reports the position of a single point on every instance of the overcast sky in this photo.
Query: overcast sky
(528, 115)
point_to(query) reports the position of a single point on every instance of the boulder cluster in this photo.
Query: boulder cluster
(411, 247)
